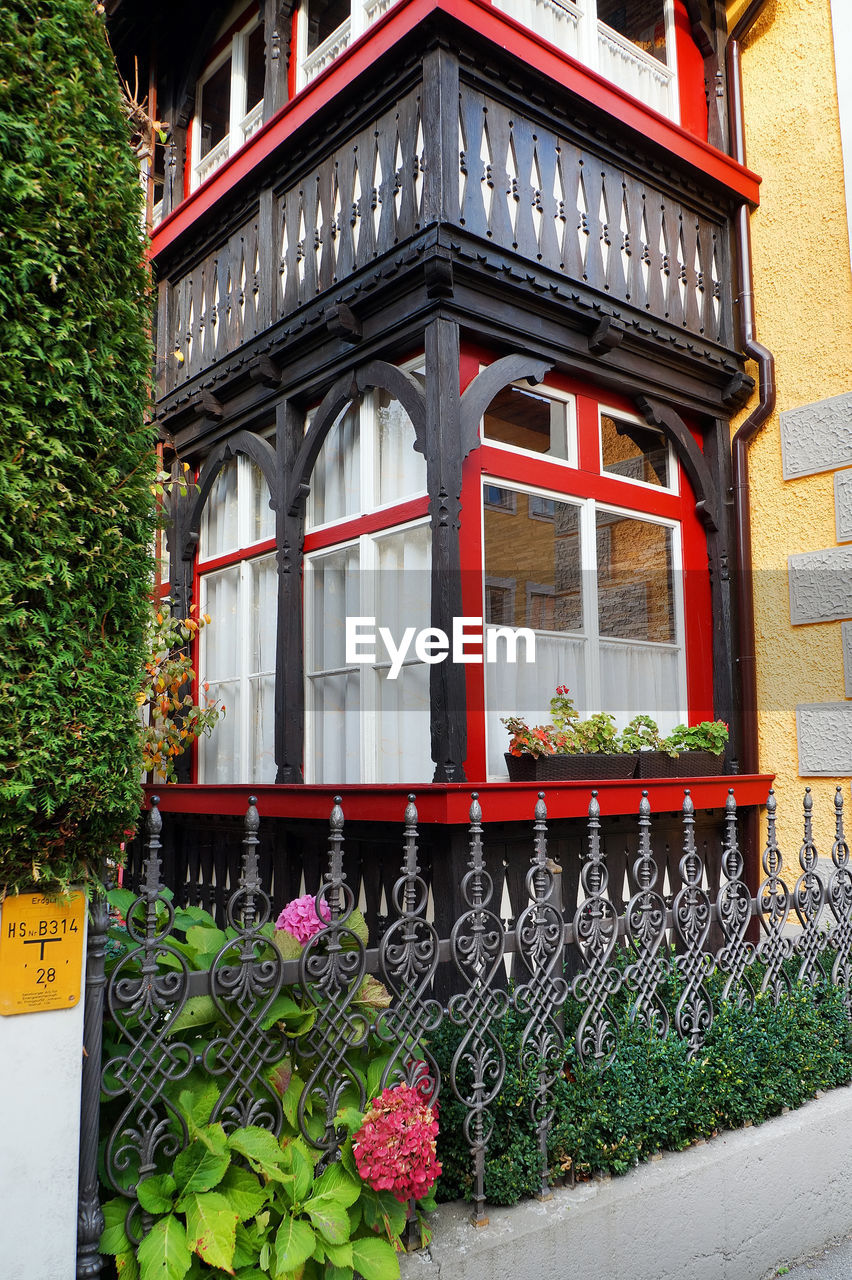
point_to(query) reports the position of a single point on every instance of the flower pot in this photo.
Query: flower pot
(568, 768)
(689, 764)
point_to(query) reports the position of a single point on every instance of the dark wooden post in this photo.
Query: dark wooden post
(289, 662)
(444, 479)
(90, 1219)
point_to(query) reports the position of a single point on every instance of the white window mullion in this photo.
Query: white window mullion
(589, 579)
(671, 60)
(680, 613)
(357, 19)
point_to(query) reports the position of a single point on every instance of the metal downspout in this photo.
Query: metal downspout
(748, 754)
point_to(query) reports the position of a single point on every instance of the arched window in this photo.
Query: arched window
(367, 559)
(238, 587)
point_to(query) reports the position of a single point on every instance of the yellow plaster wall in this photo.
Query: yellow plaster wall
(803, 304)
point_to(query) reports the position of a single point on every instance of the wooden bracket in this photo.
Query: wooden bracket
(606, 336)
(342, 322)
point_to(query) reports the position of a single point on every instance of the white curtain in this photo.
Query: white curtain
(640, 679)
(525, 689)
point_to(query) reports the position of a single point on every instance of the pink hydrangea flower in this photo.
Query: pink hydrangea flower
(300, 918)
(395, 1148)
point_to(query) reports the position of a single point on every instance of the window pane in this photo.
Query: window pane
(262, 519)
(335, 723)
(336, 478)
(220, 640)
(635, 452)
(404, 586)
(642, 22)
(264, 614)
(635, 579)
(255, 58)
(534, 560)
(219, 755)
(401, 471)
(404, 744)
(334, 594)
(219, 522)
(215, 112)
(525, 689)
(640, 679)
(528, 421)
(262, 727)
(324, 17)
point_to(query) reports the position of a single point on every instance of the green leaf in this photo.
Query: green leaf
(126, 1266)
(199, 1011)
(375, 1259)
(163, 1254)
(303, 1172)
(282, 1008)
(351, 1119)
(121, 899)
(290, 1101)
(197, 1103)
(245, 1194)
(338, 1273)
(375, 1070)
(290, 947)
(347, 1158)
(358, 925)
(294, 1244)
(114, 1237)
(211, 1225)
(156, 1194)
(338, 1185)
(198, 1168)
(339, 1254)
(204, 940)
(261, 1148)
(373, 994)
(329, 1217)
(246, 1248)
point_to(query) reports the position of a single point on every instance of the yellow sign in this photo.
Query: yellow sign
(41, 952)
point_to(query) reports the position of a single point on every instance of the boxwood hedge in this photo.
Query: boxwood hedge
(76, 460)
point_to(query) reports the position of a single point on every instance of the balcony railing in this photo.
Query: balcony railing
(522, 182)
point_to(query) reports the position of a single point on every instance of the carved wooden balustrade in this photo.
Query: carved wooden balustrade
(448, 156)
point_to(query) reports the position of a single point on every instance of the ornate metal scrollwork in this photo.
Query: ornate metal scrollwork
(331, 969)
(646, 930)
(596, 934)
(691, 910)
(808, 899)
(773, 899)
(409, 957)
(144, 996)
(839, 896)
(245, 978)
(479, 1064)
(733, 904)
(539, 932)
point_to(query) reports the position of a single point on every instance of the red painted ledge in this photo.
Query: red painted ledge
(448, 804)
(480, 17)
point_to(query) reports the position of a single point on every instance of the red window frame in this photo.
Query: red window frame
(586, 481)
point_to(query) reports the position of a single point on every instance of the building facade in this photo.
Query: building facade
(448, 331)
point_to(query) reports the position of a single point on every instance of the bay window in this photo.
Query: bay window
(587, 554)
(238, 587)
(368, 557)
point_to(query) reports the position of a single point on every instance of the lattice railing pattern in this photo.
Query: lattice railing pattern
(659, 940)
(525, 187)
(515, 184)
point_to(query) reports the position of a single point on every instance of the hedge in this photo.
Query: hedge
(76, 456)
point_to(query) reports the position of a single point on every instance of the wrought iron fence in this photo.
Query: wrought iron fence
(634, 952)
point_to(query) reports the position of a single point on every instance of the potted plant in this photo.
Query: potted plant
(690, 751)
(569, 748)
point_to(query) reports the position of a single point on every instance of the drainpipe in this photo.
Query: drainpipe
(748, 753)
